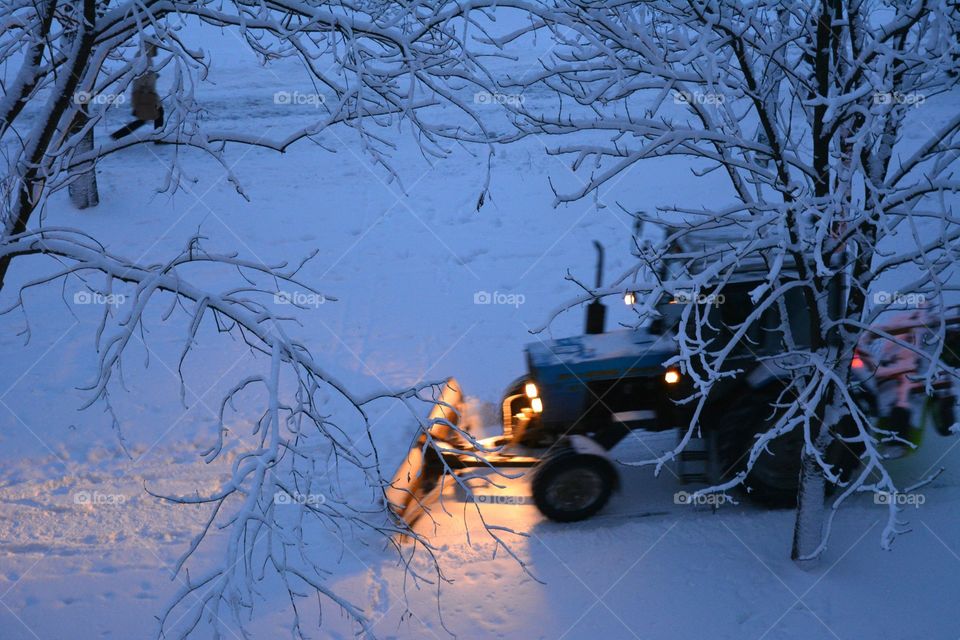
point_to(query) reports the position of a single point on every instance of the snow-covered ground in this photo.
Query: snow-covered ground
(86, 552)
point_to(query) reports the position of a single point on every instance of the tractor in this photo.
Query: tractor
(581, 395)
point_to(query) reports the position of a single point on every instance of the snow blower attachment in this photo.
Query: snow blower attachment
(420, 471)
(448, 445)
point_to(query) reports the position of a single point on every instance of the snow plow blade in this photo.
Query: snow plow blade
(421, 469)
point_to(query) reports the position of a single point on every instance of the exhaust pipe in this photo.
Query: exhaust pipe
(596, 310)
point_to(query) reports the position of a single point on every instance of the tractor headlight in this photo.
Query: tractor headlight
(531, 390)
(537, 405)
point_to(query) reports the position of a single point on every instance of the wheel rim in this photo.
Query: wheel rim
(575, 489)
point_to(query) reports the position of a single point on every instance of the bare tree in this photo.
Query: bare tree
(370, 63)
(808, 109)
(373, 63)
(805, 109)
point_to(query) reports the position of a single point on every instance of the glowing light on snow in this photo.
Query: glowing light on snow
(672, 376)
(629, 298)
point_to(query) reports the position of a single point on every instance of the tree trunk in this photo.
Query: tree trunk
(808, 542)
(808, 530)
(31, 181)
(83, 188)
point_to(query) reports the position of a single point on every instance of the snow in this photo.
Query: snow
(85, 552)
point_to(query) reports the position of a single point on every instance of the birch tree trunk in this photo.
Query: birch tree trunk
(808, 529)
(810, 516)
(83, 189)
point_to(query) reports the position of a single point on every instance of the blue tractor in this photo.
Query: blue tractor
(582, 395)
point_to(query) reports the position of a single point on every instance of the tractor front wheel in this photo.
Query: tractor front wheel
(570, 486)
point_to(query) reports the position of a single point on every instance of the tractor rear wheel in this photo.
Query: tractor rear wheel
(775, 477)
